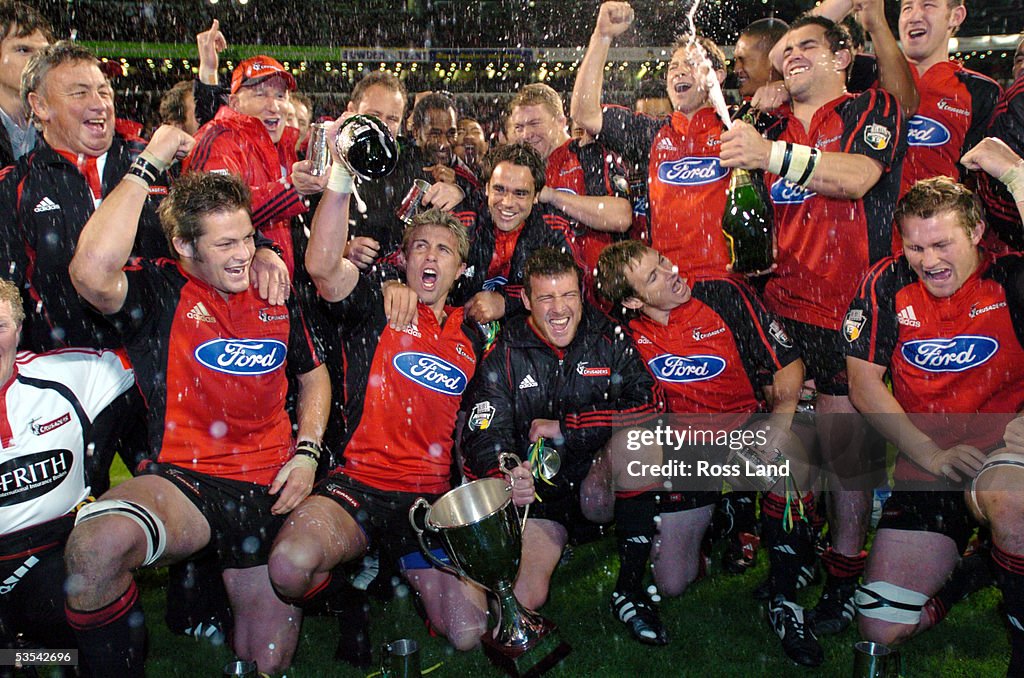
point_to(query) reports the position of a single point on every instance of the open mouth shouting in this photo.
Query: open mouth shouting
(429, 278)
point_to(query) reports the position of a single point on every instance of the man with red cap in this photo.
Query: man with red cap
(248, 138)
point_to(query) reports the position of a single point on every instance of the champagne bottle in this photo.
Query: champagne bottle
(747, 222)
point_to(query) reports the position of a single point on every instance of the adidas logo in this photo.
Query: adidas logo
(643, 340)
(908, 317)
(46, 205)
(528, 382)
(665, 144)
(200, 314)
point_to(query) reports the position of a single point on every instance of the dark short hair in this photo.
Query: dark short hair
(767, 31)
(44, 61)
(435, 101)
(24, 19)
(445, 219)
(516, 154)
(172, 103)
(548, 261)
(610, 279)
(196, 195)
(378, 79)
(937, 195)
(836, 35)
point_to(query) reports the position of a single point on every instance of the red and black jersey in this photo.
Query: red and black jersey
(686, 184)
(596, 382)
(403, 389)
(1000, 207)
(956, 108)
(959, 355)
(825, 244)
(46, 199)
(240, 145)
(212, 370)
(718, 350)
(587, 170)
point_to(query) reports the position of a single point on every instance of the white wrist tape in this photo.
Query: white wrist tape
(340, 180)
(794, 162)
(1014, 180)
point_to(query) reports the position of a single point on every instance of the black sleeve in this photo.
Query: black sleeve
(364, 302)
(873, 126)
(208, 100)
(871, 329)
(603, 171)
(303, 354)
(149, 288)
(761, 339)
(1008, 123)
(490, 420)
(13, 258)
(985, 94)
(630, 134)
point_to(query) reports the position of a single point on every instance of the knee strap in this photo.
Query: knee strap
(890, 603)
(152, 527)
(998, 459)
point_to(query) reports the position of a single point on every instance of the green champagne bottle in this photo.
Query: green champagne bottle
(747, 225)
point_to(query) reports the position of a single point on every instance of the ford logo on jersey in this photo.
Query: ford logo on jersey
(786, 192)
(923, 131)
(242, 357)
(950, 355)
(681, 369)
(691, 171)
(432, 372)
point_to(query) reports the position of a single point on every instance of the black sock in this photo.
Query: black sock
(112, 639)
(634, 533)
(1009, 569)
(196, 595)
(788, 549)
(842, 570)
(745, 516)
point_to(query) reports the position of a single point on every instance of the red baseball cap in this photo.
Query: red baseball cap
(258, 68)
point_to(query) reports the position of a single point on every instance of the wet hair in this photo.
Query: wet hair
(377, 79)
(301, 98)
(24, 19)
(856, 31)
(44, 61)
(836, 35)
(172, 103)
(938, 195)
(767, 31)
(549, 262)
(538, 94)
(611, 280)
(196, 195)
(715, 55)
(516, 154)
(9, 292)
(445, 219)
(434, 101)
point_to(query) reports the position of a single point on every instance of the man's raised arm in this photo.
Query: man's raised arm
(612, 20)
(109, 235)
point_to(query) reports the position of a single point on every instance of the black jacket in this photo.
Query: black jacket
(598, 381)
(46, 201)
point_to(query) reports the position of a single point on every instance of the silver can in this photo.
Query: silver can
(317, 152)
(411, 202)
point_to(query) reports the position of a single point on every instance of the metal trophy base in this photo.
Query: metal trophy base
(533, 659)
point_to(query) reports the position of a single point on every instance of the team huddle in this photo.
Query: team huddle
(286, 366)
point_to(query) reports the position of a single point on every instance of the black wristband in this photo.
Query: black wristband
(309, 449)
(146, 171)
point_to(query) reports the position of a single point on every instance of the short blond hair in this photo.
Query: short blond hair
(939, 195)
(539, 94)
(444, 219)
(9, 292)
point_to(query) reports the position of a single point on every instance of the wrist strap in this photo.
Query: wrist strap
(1014, 180)
(309, 449)
(794, 162)
(340, 180)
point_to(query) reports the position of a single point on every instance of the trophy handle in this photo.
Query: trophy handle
(506, 462)
(422, 503)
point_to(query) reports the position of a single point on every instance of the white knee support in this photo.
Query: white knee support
(1005, 459)
(152, 527)
(889, 603)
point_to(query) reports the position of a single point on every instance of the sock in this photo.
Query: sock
(842, 569)
(196, 595)
(787, 550)
(745, 517)
(1009, 569)
(112, 639)
(634, 533)
(971, 574)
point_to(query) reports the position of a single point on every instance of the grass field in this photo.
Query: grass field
(716, 628)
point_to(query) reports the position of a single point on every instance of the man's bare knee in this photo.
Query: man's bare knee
(292, 564)
(99, 551)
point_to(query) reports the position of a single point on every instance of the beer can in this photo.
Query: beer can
(316, 151)
(411, 202)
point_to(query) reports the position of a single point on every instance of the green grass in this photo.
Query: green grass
(716, 628)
